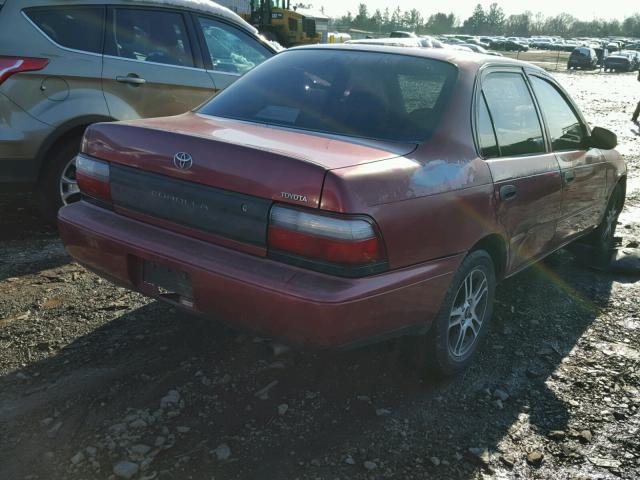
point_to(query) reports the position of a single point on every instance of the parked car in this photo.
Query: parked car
(613, 46)
(460, 47)
(399, 34)
(453, 41)
(508, 45)
(601, 53)
(584, 58)
(309, 203)
(478, 42)
(478, 49)
(635, 59)
(428, 41)
(620, 62)
(158, 57)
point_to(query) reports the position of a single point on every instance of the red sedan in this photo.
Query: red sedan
(337, 195)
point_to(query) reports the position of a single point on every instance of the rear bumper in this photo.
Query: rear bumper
(256, 293)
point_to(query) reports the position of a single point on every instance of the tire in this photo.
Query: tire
(602, 238)
(440, 351)
(50, 187)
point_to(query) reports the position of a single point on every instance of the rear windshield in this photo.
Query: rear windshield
(382, 96)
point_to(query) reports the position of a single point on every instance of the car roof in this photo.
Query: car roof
(201, 6)
(470, 61)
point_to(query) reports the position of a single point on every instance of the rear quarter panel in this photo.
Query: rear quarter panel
(421, 209)
(434, 202)
(70, 86)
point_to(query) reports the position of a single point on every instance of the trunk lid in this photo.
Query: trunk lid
(233, 155)
(220, 176)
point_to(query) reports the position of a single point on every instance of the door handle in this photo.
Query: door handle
(508, 192)
(569, 177)
(131, 79)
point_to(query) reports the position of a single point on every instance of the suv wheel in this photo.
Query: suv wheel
(57, 186)
(448, 347)
(68, 185)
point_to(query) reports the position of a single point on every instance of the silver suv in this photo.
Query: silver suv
(65, 64)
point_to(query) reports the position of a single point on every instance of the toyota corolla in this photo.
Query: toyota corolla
(337, 195)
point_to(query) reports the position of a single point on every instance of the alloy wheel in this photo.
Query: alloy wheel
(69, 190)
(468, 313)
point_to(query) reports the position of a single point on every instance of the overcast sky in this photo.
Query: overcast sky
(583, 9)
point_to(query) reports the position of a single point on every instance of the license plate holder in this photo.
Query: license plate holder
(168, 280)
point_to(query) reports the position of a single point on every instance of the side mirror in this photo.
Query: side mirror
(603, 139)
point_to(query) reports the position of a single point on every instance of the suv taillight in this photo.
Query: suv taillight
(343, 245)
(13, 65)
(93, 178)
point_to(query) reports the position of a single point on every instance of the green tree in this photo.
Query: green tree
(361, 20)
(346, 20)
(377, 21)
(440, 23)
(495, 19)
(415, 20)
(386, 18)
(396, 19)
(631, 26)
(491, 22)
(561, 24)
(537, 24)
(519, 25)
(477, 22)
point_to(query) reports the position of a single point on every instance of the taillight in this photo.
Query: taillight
(12, 65)
(337, 244)
(93, 177)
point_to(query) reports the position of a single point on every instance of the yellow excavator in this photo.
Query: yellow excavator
(276, 21)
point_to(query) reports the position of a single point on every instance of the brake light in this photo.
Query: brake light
(93, 177)
(12, 65)
(340, 245)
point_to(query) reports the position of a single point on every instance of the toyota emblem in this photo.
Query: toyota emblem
(182, 161)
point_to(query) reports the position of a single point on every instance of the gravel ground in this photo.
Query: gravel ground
(98, 382)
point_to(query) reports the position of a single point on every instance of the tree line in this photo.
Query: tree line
(489, 21)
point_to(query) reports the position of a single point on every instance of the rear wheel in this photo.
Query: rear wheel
(596, 248)
(58, 186)
(602, 238)
(448, 347)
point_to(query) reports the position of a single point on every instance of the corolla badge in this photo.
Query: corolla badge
(182, 161)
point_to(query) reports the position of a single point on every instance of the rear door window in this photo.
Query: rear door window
(514, 115)
(79, 28)
(231, 50)
(565, 128)
(151, 36)
(486, 134)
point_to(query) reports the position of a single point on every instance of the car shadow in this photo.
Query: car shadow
(27, 244)
(356, 405)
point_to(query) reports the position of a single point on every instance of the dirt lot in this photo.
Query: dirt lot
(96, 380)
